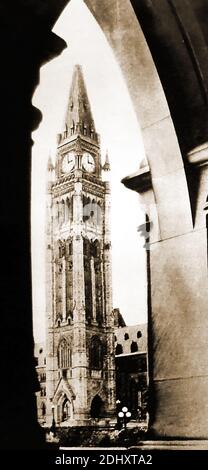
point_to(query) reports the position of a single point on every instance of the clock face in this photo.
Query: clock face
(88, 162)
(68, 162)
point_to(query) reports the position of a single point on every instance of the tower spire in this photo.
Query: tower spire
(79, 119)
(106, 166)
(50, 166)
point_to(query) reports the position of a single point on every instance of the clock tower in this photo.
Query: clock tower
(80, 369)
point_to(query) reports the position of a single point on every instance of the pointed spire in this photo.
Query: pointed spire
(50, 166)
(106, 166)
(79, 119)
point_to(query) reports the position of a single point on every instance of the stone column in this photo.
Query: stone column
(92, 265)
(108, 305)
(79, 365)
(50, 306)
(64, 301)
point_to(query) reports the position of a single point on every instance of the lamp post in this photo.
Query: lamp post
(118, 409)
(124, 416)
(53, 426)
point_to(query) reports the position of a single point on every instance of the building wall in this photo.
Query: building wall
(40, 358)
(132, 371)
(135, 333)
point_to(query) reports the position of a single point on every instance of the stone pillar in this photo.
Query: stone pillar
(64, 300)
(93, 290)
(109, 305)
(50, 306)
(79, 365)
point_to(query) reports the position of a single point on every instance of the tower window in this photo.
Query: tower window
(43, 409)
(96, 353)
(119, 349)
(139, 334)
(85, 129)
(134, 347)
(64, 355)
(126, 336)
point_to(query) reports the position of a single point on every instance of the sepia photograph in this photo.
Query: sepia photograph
(104, 230)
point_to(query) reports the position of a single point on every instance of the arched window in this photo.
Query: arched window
(88, 280)
(73, 125)
(86, 208)
(92, 132)
(66, 410)
(126, 336)
(139, 334)
(57, 212)
(64, 355)
(62, 211)
(96, 353)
(134, 346)
(85, 129)
(43, 409)
(119, 349)
(97, 407)
(99, 213)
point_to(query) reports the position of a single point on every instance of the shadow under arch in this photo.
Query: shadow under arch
(97, 409)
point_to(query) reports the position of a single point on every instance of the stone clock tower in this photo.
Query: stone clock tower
(80, 371)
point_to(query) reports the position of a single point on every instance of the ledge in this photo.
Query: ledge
(139, 181)
(199, 155)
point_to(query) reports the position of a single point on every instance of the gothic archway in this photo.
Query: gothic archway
(66, 410)
(97, 409)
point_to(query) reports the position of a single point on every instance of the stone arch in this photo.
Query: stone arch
(97, 409)
(63, 401)
(159, 136)
(66, 408)
(43, 409)
(28, 75)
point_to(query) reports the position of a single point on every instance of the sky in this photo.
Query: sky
(116, 122)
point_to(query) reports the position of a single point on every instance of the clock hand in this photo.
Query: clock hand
(89, 161)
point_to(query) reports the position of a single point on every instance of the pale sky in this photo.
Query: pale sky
(118, 127)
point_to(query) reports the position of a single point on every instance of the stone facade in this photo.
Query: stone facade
(80, 369)
(131, 378)
(40, 358)
(132, 369)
